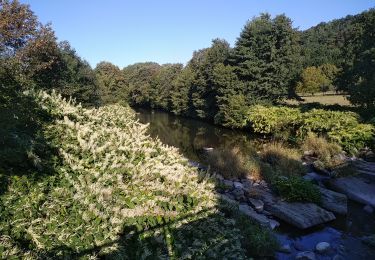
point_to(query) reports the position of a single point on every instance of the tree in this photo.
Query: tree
(181, 92)
(162, 86)
(317, 79)
(202, 64)
(266, 57)
(111, 83)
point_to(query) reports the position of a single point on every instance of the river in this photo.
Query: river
(191, 136)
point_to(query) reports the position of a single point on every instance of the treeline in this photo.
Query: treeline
(270, 61)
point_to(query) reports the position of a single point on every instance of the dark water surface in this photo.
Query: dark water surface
(191, 136)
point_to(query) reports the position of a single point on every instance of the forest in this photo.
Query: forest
(72, 151)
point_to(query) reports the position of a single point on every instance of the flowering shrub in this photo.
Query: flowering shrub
(117, 193)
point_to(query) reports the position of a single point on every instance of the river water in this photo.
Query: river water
(191, 136)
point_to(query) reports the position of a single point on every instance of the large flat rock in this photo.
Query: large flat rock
(334, 201)
(365, 169)
(355, 188)
(301, 215)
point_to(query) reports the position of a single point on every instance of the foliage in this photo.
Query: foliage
(297, 189)
(343, 128)
(283, 160)
(116, 193)
(233, 164)
(325, 151)
(317, 79)
(270, 120)
(266, 57)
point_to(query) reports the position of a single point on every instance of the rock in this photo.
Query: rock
(369, 240)
(238, 194)
(228, 198)
(228, 184)
(334, 201)
(322, 247)
(313, 176)
(299, 246)
(248, 211)
(319, 168)
(368, 209)
(301, 215)
(257, 204)
(307, 255)
(237, 185)
(355, 188)
(274, 224)
(285, 249)
(337, 257)
(308, 153)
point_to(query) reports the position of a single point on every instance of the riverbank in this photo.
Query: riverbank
(192, 135)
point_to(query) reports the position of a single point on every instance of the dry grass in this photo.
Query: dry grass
(324, 100)
(283, 160)
(323, 150)
(232, 163)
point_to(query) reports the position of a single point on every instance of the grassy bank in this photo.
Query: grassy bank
(113, 191)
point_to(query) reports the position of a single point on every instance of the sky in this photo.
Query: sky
(168, 31)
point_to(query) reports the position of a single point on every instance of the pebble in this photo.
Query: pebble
(274, 224)
(237, 185)
(257, 204)
(299, 246)
(323, 247)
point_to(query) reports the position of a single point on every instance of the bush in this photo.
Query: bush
(296, 189)
(271, 120)
(343, 128)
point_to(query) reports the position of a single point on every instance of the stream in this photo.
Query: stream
(191, 136)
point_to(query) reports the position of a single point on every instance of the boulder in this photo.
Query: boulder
(300, 215)
(322, 247)
(355, 188)
(307, 255)
(334, 201)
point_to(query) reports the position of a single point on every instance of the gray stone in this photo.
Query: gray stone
(319, 168)
(368, 209)
(322, 247)
(313, 176)
(257, 204)
(238, 194)
(228, 184)
(307, 255)
(250, 212)
(301, 215)
(273, 223)
(228, 198)
(366, 169)
(337, 257)
(355, 188)
(237, 185)
(334, 201)
(285, 249)
(299, 246)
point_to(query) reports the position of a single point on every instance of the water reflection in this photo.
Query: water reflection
(191, 136)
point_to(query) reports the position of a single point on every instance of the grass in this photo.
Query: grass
(284, 161)
(325, 151)
(322, 99)
(234, 164)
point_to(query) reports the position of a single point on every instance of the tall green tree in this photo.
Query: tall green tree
(267, 57)
(111, 83)
(203, 90)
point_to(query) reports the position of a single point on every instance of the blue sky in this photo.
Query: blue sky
(168, 31)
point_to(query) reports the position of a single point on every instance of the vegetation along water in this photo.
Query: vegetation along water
(220, 158)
